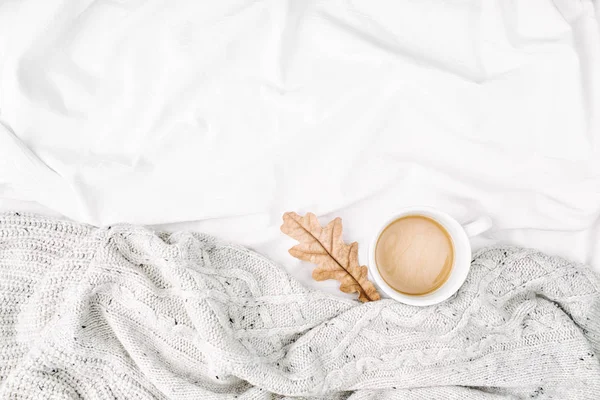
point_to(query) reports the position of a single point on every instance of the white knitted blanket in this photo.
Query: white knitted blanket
(122, 312)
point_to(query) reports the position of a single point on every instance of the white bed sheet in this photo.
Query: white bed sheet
(220, 116)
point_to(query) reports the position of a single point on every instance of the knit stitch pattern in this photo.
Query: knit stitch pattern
(123, 312)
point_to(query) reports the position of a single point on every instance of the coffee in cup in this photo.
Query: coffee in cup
(421, 256)
(414, 255)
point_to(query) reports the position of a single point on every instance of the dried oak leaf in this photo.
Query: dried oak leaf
(325, 248)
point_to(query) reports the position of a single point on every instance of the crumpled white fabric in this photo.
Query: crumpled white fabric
(124, 313)
(231, 112)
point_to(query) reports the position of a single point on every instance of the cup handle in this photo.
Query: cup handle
(478, 226)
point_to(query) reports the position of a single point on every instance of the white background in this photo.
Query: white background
(219, 116)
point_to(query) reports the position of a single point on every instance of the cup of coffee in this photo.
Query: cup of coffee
(422, 256)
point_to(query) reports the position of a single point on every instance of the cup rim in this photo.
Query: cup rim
(460, 267)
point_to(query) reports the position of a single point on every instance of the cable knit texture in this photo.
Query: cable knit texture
(123, 312)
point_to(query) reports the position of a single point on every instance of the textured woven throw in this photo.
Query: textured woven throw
(123, 312)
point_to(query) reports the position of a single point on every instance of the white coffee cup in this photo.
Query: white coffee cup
(462, 255)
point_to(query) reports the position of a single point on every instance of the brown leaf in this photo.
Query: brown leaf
(325, 248)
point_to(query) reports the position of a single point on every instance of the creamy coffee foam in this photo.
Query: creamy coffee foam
(414, 255)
